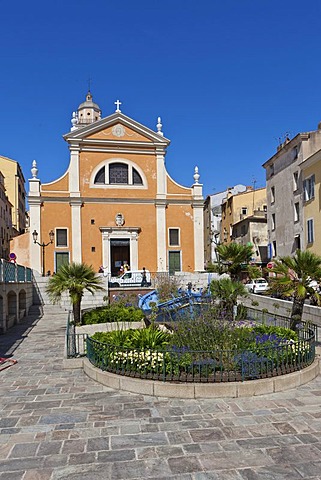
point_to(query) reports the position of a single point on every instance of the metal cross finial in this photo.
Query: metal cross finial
(117, 103)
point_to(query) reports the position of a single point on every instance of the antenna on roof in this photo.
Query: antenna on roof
(89, 84)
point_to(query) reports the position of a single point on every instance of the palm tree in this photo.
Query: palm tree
(73, 278)
(232, 256)
(227, 292)
(294, 276)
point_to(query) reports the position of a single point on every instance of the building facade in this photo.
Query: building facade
(244, 221)
(213, 219)
(6, 230)
(15, 189)
(311, 198)
(285, 198)
(116, 203)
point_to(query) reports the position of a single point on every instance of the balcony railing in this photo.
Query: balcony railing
(11, 272)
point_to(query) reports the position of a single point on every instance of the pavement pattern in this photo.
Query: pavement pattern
(56, 423)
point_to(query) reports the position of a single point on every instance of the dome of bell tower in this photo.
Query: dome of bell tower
(88, 111)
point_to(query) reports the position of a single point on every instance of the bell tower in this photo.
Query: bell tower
(88, 112)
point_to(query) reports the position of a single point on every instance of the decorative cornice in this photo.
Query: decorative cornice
(126, 201)
(120, 229)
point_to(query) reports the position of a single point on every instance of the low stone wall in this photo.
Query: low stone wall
(310, 313)
(203, 390)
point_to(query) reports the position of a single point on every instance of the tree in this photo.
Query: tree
(294, 276)
(232, 256)
(73, 278)
(227, 292)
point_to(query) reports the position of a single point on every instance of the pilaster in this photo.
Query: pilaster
(161, 235)
(198, 218)
(74, 171)
(161, 173)
(34, 200)
(76, 230)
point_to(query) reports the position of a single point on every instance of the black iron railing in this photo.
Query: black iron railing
(203, 366)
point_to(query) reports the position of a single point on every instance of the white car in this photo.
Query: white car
(258, 285)
(131, 279)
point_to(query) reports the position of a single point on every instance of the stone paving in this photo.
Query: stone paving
(58, 424)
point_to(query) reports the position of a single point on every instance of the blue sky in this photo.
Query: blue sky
(228, 78)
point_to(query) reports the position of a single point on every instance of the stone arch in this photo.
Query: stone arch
(12, 308)
(3, 323)
(22, 303)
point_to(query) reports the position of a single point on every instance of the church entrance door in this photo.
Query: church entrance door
(119, 253)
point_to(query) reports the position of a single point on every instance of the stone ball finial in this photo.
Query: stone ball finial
(34, 170)
(196, 175)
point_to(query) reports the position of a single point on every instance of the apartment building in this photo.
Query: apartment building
(244, 220)
(289, 192)
(15, 190)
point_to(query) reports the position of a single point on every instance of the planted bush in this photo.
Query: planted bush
(199, 347)
(112, 313)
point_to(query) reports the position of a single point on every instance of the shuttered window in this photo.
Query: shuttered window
(61, 237)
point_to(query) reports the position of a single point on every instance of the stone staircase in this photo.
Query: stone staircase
(40, 297)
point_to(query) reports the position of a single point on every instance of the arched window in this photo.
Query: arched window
(137, 179)
(100, 176)
(118, 173)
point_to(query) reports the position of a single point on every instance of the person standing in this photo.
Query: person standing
(144, 278)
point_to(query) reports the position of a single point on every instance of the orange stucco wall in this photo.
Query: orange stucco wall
(181, 216)
(62, 184)
(90, 160)
(129, 136)
(55, 215)
(20, 245)
(142, 216)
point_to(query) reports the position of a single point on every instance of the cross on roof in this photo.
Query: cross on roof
(117, 103)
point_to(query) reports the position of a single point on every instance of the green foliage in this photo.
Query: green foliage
(293, 279)
(241, 312)
(73, 278)
(214, 268)
(151, 337)
(233, 256)
(116, 337)
(112, 313)
(140, 338)
(254, 272)
(227, 292)
(203, 345)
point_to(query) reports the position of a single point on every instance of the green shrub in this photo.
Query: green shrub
(112, 313)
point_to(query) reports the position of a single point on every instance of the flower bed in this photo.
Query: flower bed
(204, 350)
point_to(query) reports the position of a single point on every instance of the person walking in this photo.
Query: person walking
(144, 278)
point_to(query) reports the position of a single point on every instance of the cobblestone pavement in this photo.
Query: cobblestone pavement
(58, 424)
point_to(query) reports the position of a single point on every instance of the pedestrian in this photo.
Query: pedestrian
(144, 278)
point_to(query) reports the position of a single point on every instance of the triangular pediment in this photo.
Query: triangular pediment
(114, 129)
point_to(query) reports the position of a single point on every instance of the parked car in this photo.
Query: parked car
(258, 285)
(130, 279)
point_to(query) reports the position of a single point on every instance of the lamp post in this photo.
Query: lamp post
(43, 246)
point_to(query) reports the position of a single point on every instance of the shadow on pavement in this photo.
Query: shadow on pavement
(10, 340)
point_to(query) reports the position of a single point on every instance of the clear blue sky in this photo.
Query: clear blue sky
(227, 77)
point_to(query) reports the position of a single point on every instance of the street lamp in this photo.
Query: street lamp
(43, 246)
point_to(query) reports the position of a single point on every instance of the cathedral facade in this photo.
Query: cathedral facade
(116, 203)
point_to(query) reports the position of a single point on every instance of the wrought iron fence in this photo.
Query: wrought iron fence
(202, 366)
(75, 342)
(268, 318)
